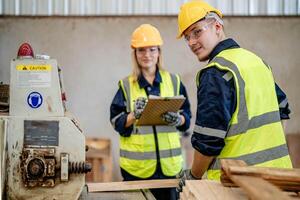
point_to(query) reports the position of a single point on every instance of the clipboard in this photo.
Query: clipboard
(156, 106)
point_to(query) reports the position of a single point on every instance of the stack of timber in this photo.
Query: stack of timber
(208, 190)
(260, 182)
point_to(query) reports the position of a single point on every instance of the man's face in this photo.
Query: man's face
(202, 38)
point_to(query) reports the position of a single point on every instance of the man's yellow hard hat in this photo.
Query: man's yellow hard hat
(192, 12)
(146, 35)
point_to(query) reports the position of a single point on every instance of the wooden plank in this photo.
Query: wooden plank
(125, 195)
(286, 179)
(258, 188)
(205, 189)
(280, 174)
(148, 195)
(132, 185)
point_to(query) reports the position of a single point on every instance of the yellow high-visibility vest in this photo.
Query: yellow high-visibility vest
(255, 134)
(138, 152)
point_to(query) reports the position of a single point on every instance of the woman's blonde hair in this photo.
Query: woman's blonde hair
(136, 70)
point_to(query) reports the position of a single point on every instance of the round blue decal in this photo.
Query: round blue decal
(34, 99)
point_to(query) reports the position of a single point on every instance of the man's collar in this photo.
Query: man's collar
(225, 44)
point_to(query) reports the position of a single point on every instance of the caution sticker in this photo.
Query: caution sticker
(34, 67)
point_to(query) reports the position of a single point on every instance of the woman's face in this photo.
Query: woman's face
(147, 57)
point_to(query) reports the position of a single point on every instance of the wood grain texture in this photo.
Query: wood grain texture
(132, 185)
(206, 190)
(286, 179)
(259, 189)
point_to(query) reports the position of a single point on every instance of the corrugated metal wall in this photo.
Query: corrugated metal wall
(143, 7)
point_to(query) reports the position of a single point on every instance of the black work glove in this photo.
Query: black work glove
(183, 176)
(172, 118)
(139, 106)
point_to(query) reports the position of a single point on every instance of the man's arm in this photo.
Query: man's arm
(185, 110)
(282, 103)
(200, 164)
(216, 104)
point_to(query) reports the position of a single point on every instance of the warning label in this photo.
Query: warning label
(34, 75)
(34, 67)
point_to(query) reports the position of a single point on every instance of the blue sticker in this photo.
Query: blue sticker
(34, 99)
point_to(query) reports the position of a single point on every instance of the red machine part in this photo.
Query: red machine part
(25, 50)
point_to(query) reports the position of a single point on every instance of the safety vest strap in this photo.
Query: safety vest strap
(176, 83)
(126, 91)
(257, 157)
(150, 155)
(244, 123)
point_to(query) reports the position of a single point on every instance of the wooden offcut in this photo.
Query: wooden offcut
(286, 179)
(132, 185)
(206, 189)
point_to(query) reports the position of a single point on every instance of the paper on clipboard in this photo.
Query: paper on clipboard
(156, 106)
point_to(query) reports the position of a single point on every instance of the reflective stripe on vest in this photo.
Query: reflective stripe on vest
(138, 152)
(257, 157)
(150, 155)
(149, 129)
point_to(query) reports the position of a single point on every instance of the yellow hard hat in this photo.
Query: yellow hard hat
(145, 35)
(192, 12)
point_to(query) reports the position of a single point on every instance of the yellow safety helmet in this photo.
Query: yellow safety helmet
(146, 35)
(192, 12)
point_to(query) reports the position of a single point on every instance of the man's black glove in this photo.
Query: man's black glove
(183, 176)
(172, 118)
(139, 106)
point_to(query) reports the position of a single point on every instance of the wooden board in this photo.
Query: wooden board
(132, 185)
(155, 107)
(258, 188)
(125, 195)
(286, 179)
(206, 190)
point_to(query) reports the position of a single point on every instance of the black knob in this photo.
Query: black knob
(35, 168)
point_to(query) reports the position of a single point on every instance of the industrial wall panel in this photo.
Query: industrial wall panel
(172, 6)
(226, 6)
(108, 7)
(26, 7)
(124, 7)
(58, 7)
(1, 7)
(156, 7)
(143, 7)
(91, 7)
(290, 7)
(43, 7)
(240, 7)
(8, 7)
(275, 8)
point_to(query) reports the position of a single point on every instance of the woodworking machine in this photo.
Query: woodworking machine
(42, 150)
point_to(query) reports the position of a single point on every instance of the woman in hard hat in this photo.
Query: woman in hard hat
(149, 152)
(240, 107)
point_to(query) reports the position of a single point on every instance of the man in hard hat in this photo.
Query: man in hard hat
(149, 152)
(239, 108)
